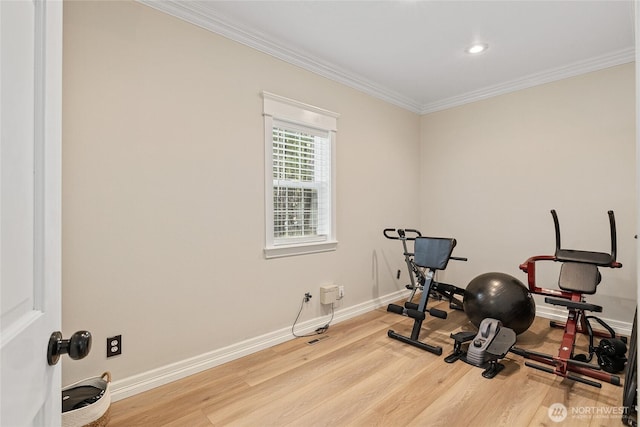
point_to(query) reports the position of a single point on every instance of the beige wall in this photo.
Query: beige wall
(163, 190)
(163, 170)
(494, 169)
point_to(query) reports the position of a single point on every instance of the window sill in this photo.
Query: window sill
(301, 249)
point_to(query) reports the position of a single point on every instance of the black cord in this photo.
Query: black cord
(320, 330)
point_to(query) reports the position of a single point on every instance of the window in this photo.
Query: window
(299, 172)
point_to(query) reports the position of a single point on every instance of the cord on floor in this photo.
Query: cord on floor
(320, 330)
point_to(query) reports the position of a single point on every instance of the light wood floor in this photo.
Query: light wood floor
(357, 376)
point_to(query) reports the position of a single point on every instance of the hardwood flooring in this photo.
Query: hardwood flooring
(357, 376)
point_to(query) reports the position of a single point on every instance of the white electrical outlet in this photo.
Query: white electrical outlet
(340, 292)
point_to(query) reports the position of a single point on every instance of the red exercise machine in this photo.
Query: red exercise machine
(579, 276)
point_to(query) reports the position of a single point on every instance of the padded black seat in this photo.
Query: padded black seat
(597, 258)
(579, 277)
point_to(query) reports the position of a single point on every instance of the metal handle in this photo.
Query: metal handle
(401, 233)
(77, 347)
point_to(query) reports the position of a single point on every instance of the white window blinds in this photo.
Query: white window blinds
(299, 173)
(301, 183)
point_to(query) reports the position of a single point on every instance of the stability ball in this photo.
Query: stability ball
(499, 296)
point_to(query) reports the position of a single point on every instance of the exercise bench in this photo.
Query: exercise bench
(431, 254)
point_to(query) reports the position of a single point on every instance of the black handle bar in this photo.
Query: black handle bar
(401, 233)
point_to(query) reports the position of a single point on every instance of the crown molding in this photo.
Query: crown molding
(194, 13)
(575, 69)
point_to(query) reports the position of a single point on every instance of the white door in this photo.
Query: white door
(30, 176)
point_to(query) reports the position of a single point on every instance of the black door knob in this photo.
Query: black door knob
(77, 347)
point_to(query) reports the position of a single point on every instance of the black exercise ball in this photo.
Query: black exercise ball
(499, 296)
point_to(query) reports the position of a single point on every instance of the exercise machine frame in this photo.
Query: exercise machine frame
(430, 255)
(418, 274)
(579, 275)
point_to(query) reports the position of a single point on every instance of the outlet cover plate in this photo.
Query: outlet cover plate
(114, 346)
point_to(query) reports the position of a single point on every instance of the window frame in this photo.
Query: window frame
(281, 110)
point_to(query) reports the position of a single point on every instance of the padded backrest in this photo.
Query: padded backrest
(433, 252)
(579, 277)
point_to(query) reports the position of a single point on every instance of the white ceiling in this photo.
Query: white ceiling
(412, 53)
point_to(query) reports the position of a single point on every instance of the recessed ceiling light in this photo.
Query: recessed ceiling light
(478, 48)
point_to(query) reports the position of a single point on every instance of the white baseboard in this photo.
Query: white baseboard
(135, 384)
(156, 377)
